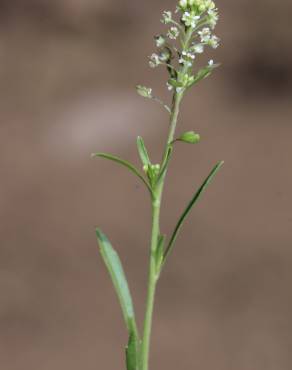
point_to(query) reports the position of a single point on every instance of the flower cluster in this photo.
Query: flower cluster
(152, 171)
(183, 82)
(207, 38)
(190, 19)
(198, 12)
(188, 35)
(198, 6)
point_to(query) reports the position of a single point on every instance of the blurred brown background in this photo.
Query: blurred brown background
(67, 71)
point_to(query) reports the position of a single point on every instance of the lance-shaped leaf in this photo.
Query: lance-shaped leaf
(143, 152)
(189, 207)
(124, 163)
(159, 252)
(115, 269)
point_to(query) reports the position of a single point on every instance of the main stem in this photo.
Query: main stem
(156, 204)
(153, 273)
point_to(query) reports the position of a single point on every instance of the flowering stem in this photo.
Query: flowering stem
(151, 286)
(153, 274)
(194, 14)
(156, 204)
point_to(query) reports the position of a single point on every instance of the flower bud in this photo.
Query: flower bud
(144, 91)
(183, 4)
(166, 17)
(190, 137)
(154, 61)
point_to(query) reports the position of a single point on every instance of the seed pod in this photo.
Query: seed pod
(144, 91)
(160, 41)
(190, 137)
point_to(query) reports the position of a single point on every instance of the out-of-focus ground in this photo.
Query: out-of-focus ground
(67, 71)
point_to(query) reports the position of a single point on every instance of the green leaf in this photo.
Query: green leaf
(189, 207)
(143, 152)
(159, 252)
(132, 352)
(165, 165)
(115, 269)
(124, 163)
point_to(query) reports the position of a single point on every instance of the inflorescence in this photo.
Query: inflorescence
(189, 34)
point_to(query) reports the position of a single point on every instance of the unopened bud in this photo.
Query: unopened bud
(183, 4)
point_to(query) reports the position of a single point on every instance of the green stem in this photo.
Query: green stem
(151, 286)
(153, 275)
(156, 204)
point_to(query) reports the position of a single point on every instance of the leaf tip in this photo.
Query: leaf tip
(99, 234)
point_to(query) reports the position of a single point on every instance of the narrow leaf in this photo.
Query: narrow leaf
(132, 352)
(159, 252)
(189, 207)
(115, 269)
(124, 163)
(165, 165)
(143, 151)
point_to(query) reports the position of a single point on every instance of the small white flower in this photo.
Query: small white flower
(211, 63)
(173, 33)
(188, 54)
(169, 86)
(214, 42)
(198, 48)
(213, 17)
(210, 4)
(166, 17)
(205, 34)
(183, 3)
(186, 62)
(154, 61)
(190, 19)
